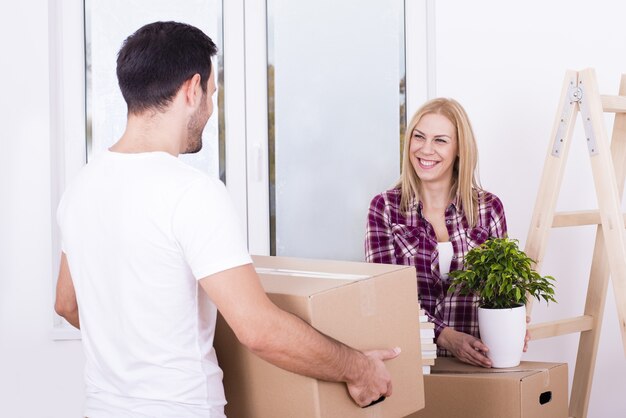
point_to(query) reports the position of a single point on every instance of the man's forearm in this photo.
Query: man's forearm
(299, 348)
(65, 303)
(306, 351)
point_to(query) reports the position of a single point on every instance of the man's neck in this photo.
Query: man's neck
(149, 133)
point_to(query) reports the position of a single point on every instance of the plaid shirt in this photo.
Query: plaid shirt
(395, 238)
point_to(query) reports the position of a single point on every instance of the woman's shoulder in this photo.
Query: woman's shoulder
(388, 197)
(485, 197)
(488, 201)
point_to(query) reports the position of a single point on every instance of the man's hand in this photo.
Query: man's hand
(375, 380)
(465, 347)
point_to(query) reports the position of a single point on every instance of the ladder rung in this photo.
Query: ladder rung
(578, 218)
(560, 327)
(615, 104)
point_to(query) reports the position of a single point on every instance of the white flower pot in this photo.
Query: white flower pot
(503, 331)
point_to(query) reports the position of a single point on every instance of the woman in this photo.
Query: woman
(433, 216)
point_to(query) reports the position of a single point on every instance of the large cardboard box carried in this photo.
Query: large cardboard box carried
(365, 306)
(530, 390)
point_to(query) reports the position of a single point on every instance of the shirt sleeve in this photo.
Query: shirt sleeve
(497, 222)
(378, 236)
(439, 324)
(207, 229)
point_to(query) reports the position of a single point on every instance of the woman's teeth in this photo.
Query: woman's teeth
(427, 163)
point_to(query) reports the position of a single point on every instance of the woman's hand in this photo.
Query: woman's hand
(527, 337)
(465, 347)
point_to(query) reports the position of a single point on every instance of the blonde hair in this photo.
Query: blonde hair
(464, 178)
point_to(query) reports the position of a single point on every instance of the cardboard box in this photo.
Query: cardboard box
(531, 390)
(365, 306)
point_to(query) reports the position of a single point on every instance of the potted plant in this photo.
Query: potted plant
(501, 277)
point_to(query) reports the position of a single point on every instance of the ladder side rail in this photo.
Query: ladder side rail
(598, 283)
(552, 175)
(609, 201)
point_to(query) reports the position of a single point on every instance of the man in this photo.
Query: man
(151, 249)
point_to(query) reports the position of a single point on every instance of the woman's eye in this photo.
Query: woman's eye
(418, 136)
(441, 140)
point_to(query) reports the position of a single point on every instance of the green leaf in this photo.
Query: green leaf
(501, 275)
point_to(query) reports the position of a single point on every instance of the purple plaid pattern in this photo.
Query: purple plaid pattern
(395, 238)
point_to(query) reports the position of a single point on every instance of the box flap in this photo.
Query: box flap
(451, 365)
(305, 284)
(307, 277)
(325, 266)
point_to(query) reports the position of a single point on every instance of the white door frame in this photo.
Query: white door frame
(67, 120)
(257, 126)
(235, 110)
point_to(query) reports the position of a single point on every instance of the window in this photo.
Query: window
(337, 111)
(107, 24)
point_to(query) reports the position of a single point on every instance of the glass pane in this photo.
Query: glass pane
(107, 24)
(336, 114)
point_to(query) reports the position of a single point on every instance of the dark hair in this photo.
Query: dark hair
(155, 61)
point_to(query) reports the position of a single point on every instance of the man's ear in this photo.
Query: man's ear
(193, 90)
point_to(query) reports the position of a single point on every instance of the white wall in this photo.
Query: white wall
(505, 62)
(38, 377)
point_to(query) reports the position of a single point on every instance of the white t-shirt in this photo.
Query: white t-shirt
(445, 258)
(138, 231)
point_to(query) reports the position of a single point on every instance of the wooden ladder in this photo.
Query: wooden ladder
(608, 164)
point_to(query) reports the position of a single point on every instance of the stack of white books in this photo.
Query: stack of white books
(429, 348)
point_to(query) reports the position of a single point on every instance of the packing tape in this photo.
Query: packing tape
(546, 377)
(367, 290)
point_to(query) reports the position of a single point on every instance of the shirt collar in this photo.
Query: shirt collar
(455, 203)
